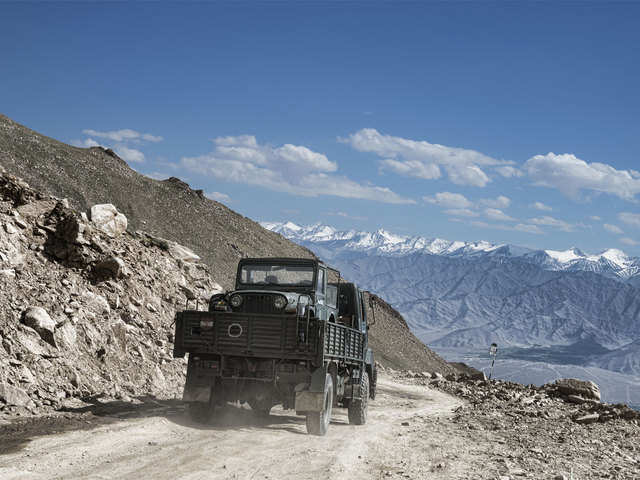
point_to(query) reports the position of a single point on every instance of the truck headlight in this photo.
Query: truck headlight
(235, 300)
(280, 302)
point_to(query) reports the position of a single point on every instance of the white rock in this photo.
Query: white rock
(38, 319)
(107, 218)
(10, 228)
(180, 252)
(14, 395)
(8, 273)
(66, 335)
(95, 303)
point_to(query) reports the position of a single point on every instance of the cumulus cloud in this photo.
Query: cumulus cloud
(613, 229)
(498, 202)
(129, 154)
(422, 159)
(497, 214)
(572, 175)
(553, 222)
(541, 206)
(218, 196)
(290, 168)
(629, 241)
(123, 135)
(449, 200)
(595, 218)
(461, 212)
(632, 219)
(508, 171)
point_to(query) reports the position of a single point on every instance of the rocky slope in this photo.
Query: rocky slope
(85, 310)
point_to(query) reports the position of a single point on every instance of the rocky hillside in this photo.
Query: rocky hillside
(86, 308)
(168, 208)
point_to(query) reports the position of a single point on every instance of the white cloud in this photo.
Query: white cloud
(345, 215)
(86, 143)
(497, 214)
(461, 212)
(629, 241)
(449, 200)
(541, 206)
(422, 159)
(630, 218)
(292, 169)
(157, 175)
(508, 171)
(218, 196)
(523, 227)
(571, 175)
(595, 217)
(613, 229)
(498, 202)
(129, 154)
(123, 135)
(553, 222)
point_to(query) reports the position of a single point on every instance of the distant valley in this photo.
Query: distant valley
(541, 306)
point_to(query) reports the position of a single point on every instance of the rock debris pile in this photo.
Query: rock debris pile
(557, 431)
(86, 307)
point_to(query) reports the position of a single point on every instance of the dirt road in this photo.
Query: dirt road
(161, 443)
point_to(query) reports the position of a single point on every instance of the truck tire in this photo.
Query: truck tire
(318, 422)
(203, 412)
(358, 408)
(374, 383)
(262, 405)
(200, 412)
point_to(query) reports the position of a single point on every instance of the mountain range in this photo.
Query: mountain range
(570, 306)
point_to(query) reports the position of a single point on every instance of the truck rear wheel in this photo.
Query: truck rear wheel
(358, 408)
(261, 404)
(203, 412)
(200, 412)
(318, 422)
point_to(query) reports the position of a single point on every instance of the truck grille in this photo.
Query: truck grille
(258, 303)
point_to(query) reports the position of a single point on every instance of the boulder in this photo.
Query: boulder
(38, 319)
(180, 252)
(583, 388)
(111, 267)
(107, 218)
(588, 419)
(14, 396)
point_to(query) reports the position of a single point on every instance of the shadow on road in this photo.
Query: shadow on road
(98, 411)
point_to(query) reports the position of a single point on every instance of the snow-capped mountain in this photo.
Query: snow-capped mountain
(469, 294)
(613, 263)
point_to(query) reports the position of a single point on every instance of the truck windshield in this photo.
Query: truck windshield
(286, 275)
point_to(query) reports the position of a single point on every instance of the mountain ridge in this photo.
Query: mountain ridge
(611, 262)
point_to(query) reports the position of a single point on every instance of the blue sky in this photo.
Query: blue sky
(508, 122)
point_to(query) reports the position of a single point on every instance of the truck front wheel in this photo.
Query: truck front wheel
(358, 408)
(318, 422)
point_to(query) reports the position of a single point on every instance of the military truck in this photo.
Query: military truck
(285, 335)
